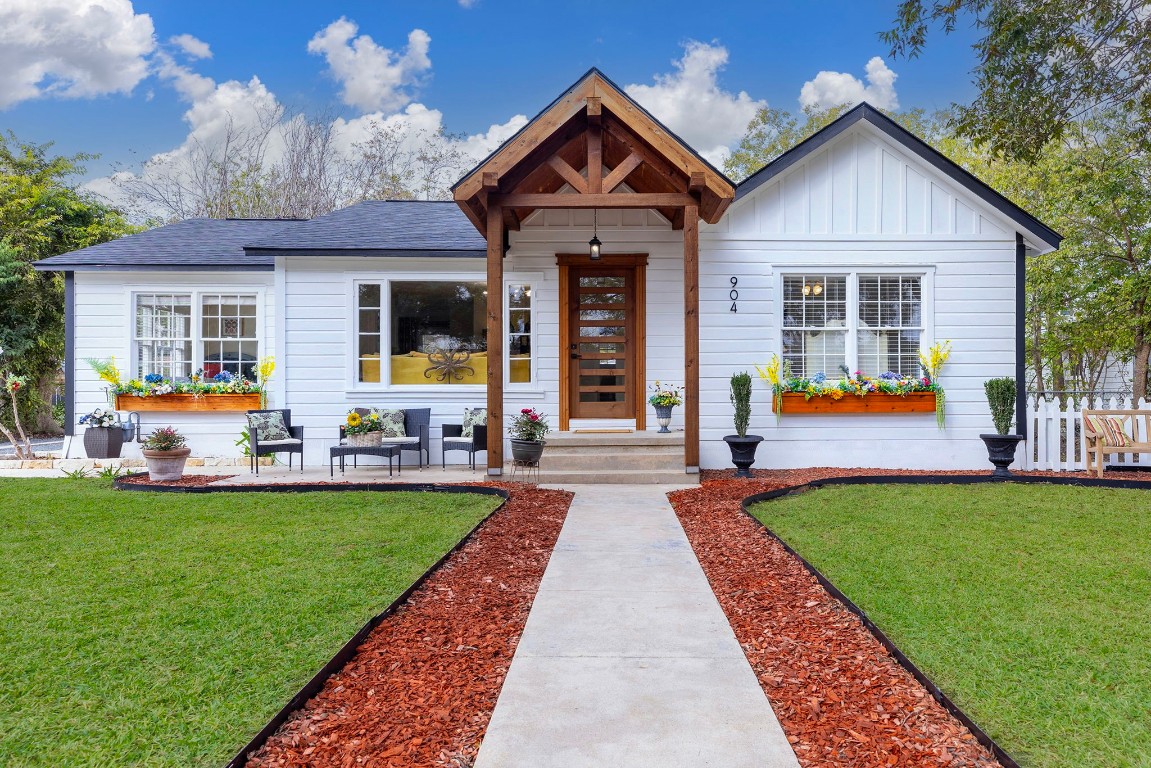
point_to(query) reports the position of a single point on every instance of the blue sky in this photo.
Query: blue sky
(132, 78)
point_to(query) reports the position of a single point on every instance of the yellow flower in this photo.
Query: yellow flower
(770, 372)
(266, 368)
(354, 419)
(935, 357)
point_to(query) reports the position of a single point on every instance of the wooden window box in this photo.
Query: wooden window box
(177, 402)
(873, 402)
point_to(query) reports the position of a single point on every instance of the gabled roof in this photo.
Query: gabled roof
(1035, 229)
(593, 118)
(193, 244)
(378, 228)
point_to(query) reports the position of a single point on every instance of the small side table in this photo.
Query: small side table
(343, 451)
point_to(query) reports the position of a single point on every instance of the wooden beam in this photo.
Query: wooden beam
(677, 219)
(495, 340)
(690, 337)
(594, 159)
(629, 200)
(620, 172)
(697, 182)
(511, 220)
(491, 181)
(594, 110)
(568, 174)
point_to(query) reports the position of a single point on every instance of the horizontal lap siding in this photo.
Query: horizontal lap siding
(104, 329)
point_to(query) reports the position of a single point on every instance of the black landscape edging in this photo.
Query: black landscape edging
(1005, 759)
(119, 485)
(349, 649)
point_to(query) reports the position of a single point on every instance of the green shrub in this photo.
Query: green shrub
(741, 399)
(1001, 399)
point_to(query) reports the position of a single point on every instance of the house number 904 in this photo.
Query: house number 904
(734, 294)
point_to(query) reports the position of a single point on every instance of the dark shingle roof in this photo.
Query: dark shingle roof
(380, 228)
(864, 111)
(191, 244)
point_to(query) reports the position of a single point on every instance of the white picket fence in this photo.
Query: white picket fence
(1055, 437)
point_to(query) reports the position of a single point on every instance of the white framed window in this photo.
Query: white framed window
(178, 334)
(867, 321)
(520, 364)
(421, 332)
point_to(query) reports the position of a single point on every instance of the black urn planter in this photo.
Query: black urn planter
(743, 452)
(1001, 452)
(527, 450)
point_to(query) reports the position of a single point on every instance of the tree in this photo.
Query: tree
(41, 215)
(1042, 65)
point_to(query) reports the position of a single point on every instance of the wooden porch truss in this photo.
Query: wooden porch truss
(593, 147)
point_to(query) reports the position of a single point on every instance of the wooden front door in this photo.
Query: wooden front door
(604, 341)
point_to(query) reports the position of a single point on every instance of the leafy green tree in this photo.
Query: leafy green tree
(41, 215)
(1042, 64)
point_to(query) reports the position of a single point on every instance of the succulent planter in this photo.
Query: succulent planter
(103, 442)
(1001, 452)
(181, 402)
(166, 465)
(743, 452)
(873, 402)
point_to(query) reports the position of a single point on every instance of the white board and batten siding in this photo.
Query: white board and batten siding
(860, 204)
(104, 328)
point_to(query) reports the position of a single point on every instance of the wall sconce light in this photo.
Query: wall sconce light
(594, 244)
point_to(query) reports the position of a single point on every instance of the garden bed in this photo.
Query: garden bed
(422, 687)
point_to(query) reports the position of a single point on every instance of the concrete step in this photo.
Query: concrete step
(624, 439)
(637, 460)
(617, 476)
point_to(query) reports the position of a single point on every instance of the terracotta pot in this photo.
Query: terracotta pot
(743, 452)
(527, 450)
(166, 465)
(1001, 452)
(103, 442)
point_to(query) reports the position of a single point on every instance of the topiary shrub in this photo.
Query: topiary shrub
(741, 399)
(1001, 399)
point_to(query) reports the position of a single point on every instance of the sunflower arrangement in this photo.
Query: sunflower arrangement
(355, 424)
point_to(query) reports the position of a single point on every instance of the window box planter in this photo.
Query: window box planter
(179, 402)
(873, 402)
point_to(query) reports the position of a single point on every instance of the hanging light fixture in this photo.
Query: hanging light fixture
(594, 244)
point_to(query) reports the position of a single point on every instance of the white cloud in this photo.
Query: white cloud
(193, 46)
(468, 3)
(831, 89)
(691, 103)
(373, 77)
(71, 48)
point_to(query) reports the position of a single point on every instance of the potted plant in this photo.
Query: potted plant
(104, 437)
(363, 430)
(165, 450)
(527, 434)
(1001, 446)
(664, 397)
(742, 445)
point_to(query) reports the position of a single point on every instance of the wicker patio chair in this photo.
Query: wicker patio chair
(258, 447)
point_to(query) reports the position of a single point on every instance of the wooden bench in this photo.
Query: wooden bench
(1137, 426)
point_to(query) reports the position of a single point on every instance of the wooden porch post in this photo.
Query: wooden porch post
(691, 337)
(495, 339)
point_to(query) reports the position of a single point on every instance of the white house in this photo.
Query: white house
(858, 248)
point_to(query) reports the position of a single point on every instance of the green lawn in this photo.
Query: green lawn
(160, 629)
(1029, 605)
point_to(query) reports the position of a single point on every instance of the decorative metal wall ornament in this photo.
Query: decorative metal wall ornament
(448, 364)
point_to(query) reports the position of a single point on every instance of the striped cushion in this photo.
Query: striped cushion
(1110, 430)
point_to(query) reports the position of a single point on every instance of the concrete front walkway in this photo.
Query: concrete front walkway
(627, 659)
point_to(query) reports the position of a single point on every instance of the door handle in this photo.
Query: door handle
(576, 356)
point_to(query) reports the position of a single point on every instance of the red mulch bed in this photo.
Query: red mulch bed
(842, 699)
(187, 481)
(422, 687)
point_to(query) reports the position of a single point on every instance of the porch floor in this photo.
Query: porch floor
(627, 658)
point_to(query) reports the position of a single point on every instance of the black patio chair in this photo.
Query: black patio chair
(453, 440)
(258, 447)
